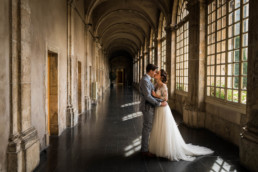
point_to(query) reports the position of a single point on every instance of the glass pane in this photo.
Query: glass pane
(235, 96)
(243, 97)
(212, 81)
(236, 57)
(208, 91)
(212, 91)
(218, 35)
(237, 29)
(231, 5)
(223, 34)
(224, 22)
(218, 13)
(245, 25)
(218, 70)
(236, 68)
(244, 83)
(218, 59)
(230, 31)
(237, 4)
(218, 81)
(230, 56)
(208, 60)
(208, 70)
(235, 82)
(213, 16)
(244, 54)
(209, 8)
(229, 82)
(186, 88)
(230, 18)
(237, 15)
(222, 93)
(212, 70)
(212, 59)
(218, 47)
(224, 10)
(229, 95)
(208, 81)
(223, 58)
(223, 45)
(230, 69)
(217, 92)
(223, 69)
(237, 42)
(244, 68)
(245, 40)
(246, 1)
(230, 44)
(222, 82)
(213, 27)
(246, 10)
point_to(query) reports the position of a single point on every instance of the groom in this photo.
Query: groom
(147, 106)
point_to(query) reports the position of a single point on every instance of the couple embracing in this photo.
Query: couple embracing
(160, 134)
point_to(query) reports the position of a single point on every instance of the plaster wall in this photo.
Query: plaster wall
(78, 54)
(49, 33)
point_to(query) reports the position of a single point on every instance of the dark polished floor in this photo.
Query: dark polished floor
(108, 139)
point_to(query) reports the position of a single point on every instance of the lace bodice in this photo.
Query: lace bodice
(162, 91)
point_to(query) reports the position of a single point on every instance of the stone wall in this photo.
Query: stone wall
(4, 81)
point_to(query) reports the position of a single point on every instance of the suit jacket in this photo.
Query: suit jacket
(147, 101)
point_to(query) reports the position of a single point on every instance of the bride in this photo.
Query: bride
(165, 138)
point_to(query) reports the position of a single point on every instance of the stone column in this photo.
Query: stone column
(146, 56)
(156, 48)
(70, 117)
(168, 58)
(86, 85)
(172, 77)
(249, 136)
(24, 147)
(193, 112)
(142, 66)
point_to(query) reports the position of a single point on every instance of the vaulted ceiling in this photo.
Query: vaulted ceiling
(123, 25)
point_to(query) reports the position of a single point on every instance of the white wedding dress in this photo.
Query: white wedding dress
(165, 138)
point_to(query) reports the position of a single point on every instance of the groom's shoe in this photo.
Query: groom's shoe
(148, 154)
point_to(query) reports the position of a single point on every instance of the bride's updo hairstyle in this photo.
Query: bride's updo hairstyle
(164, 76)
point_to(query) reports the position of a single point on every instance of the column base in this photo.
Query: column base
(24, 151)
(192, 117)
(249, 148)
(71, 117)
(14, 154)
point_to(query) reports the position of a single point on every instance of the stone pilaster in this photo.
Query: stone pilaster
(24, 147)
(70, 115)
(193, 112)
(249, 136)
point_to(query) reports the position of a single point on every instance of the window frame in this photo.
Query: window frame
(214, 99)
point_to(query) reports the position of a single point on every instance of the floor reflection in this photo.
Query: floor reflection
(108, 138)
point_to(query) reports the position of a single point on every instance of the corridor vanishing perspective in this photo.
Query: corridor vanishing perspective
(70, 71)
(108, 138)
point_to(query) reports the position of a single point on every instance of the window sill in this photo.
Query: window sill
(227, 105)
(182, 93)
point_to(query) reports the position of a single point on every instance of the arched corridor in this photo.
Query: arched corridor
(69, 68)
(107, 138)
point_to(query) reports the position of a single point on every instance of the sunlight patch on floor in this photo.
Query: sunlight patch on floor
(132, 116)
(221, 166)
(135, 146)
(130, 104)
